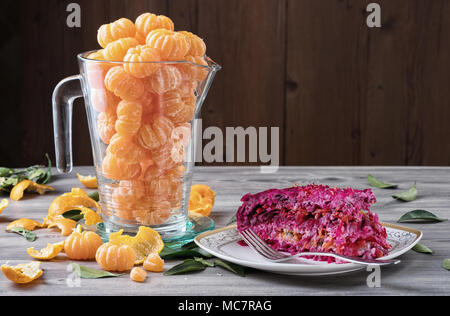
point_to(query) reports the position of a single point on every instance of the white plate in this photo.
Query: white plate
(223, 243)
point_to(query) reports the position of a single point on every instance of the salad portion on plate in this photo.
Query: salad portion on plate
(312, 218)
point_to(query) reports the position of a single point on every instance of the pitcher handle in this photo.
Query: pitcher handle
(64, 94)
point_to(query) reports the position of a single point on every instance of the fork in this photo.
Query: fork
(259, 246)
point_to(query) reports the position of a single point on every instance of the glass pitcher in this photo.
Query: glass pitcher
(142, 128)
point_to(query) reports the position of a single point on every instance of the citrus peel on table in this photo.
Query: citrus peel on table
(47, 253)
(75, 199)
(22, 273)
(26, 223)
(89, 181)
(3, 204)
(28, 185)
(201, 199)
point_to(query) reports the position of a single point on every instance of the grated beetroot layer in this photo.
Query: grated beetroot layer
(315, 218)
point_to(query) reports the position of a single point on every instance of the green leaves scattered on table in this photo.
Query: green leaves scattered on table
(379, 184)
(74, 215)
(422, 249)
(407, 196)
(420, 215)
(94, 195)
(27, 234)
(196, 259)
(90, 273)
(446, 264)
(37, 173)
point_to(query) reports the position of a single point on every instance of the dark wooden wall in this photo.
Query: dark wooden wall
(340, 92)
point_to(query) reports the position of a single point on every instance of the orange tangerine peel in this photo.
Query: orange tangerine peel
(90, 217)
(145, 242)
(75, 199)
(201, 199)
(47, 253)
(89, 181)
(28, 224)
(23, 273)
(28, 185)
(66, 225)
(3, 204)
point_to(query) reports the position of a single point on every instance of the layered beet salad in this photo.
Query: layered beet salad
(315, 218)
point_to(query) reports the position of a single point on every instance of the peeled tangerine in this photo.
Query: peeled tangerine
(23, 273)
(47, 253)
(140, 61)
(123, 85)
(147, 22)
(116, 51)
(166, 78)
(129, 116)
(172, 45)
(121, 28)
(113, 257)
(82, 245)
(154, 263)
(138, 274)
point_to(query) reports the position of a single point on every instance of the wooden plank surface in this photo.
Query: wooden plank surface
(418, 274)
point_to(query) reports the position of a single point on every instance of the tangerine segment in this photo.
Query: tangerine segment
(23, 273)
(162, 157)
(129, 116)
(195, 69)
(145, 242)
(201, 199)
(89, 181)
(123, 85)
(147, 22)
(82, 245)
(47, 253)
(66, 225)
(154, 216)
(28, 224)
(165, 78)
(172, 45)
(18, 190)
(121, 28)
(141, 61)
(116, 51)
(138, 274)
(112, 257)
(69, 201)
(154, 263)
(156, 134)
(120, 169)
(3, 204)
(197, 46)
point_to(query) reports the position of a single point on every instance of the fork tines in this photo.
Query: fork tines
(258, 245)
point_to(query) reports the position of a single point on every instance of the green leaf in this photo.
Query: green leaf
(169, 253)
(48, 174)
(187, 266)
(446, 264)
(235, 268)
(379, 184)
(89, 273)
(420, 215)
(94, 195)
(29, 235)
(4, 172)
(75, 215)
(422, 249)
(407, 196)
(204, 262)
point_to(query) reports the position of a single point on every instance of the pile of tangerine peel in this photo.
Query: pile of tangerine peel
(144, 100)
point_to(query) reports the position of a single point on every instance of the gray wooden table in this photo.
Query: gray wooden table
(417, 274)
